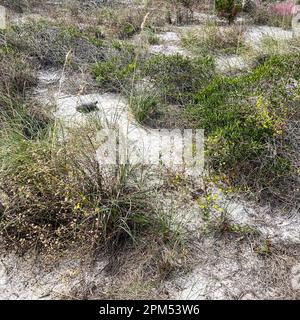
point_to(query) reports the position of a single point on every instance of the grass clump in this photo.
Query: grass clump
(212, 39)
(17, 73)
(121, 23)
(57, 196)
(145, 106)
(247, 121)
(151, 37)
(176, 77)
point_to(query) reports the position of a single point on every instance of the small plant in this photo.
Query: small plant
(144, 107)
(214, 40)
(228, 9)
(151, 37)
(59, 198)
(121, 23)
(116, 69)
(183, 10)
(177, 77)
(264, 248)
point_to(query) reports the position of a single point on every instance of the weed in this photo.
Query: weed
(264, 248)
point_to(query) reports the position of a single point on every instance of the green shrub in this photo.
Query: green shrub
(151, 37)
(215, 40)
(228, 9)
(117, 67)
(121, 23)
(246, 121)
(178, 77)
(145, 107)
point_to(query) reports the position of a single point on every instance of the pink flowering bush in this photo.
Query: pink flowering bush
(283, 9)
(278, 14)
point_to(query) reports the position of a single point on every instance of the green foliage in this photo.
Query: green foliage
(178, 77)
(245, 118)
(228, 9)
(151, 36)
(213, 40)
(121, 23)
(116, 69)
(144, 107)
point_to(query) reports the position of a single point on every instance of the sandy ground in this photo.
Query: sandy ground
(224, 266)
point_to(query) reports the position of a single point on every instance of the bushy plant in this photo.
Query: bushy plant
(145, 106)
(121, 23)
(57, 196)
(246, 120)
(117, 67)
(17, 73)
(228, 9)
(178, 77)
(213, 40)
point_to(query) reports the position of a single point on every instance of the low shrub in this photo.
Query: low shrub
(117, 67)
(178, 77)
(247, 122)
(121, 23)
(57, 196)
(50, 43)
(145, 107)
(228, 9)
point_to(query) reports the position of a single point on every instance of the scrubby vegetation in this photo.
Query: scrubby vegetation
(60, 197)
(54, 194)
(228, 9)
(50, 43)
(213, 40)
(177, 77)
(116, 69)
(247, 121)
(56, 197)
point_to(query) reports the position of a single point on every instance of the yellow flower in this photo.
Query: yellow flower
(78, 206)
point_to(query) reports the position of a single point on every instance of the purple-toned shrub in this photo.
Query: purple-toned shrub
(284, 9)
